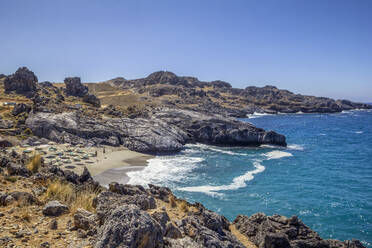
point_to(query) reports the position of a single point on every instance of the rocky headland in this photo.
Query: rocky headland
(43, 203)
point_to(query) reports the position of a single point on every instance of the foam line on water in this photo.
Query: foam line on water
(256, 115)
(277, 154)
(213, 148)
(161, 170)
(238, 182)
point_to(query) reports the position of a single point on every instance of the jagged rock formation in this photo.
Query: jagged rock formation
(166, 131)
(280, 231)
(22, 81)
(74, 87)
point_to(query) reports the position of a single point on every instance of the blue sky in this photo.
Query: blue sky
(318, 47)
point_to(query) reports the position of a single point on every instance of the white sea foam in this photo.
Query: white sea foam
(161, 170)
(359, 132)
(295, 147)
(213, 148)
(238, 182)
(277, 154)
(256, 115)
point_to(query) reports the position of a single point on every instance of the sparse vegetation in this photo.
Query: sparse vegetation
(184, 206)
(11, 179)
(34, 163)
(74, 197)
(172, 201)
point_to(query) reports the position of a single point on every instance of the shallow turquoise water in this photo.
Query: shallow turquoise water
(324, 176)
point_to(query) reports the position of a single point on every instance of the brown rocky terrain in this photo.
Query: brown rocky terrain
(166, 88)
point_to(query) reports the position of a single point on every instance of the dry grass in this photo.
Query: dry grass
(172, 201)
(71, 196)
(34, 163)
(24, 214)
(184, 206)
(58, 190)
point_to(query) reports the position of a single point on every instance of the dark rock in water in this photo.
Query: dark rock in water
(55, 208)
(280, 231)
(218, 130)
(21, 108)
(74, 87)
(348, 105)
(22, 81)
(128, 226)
(92, 99)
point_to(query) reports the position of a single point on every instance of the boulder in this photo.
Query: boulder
(280, 231)
(55, 208)
(21, 108)
(92, 99)
(85, 220)
(74, 87)
(107, 201)
(22, 81)
(128, 226)
(5, 143)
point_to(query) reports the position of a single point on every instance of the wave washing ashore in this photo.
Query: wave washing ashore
(323, 176)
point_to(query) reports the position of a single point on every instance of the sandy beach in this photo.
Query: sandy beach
(106, 164)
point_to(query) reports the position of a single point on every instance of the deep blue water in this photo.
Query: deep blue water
(324, 176)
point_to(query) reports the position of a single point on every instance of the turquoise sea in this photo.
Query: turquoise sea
(324, 176)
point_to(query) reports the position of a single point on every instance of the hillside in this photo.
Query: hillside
(166, 88)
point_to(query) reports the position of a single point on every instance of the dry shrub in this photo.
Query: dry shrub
(184, 206)
(84, 199)
(58, 190)
(172, 201)
(24, 214)
(71, 195)
(34, 163)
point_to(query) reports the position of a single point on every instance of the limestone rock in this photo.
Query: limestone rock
(92, 99)
(107, 201)
(21, 108)
(74, 87)
(85, 220)
(22, 81)
(55, 208)
(128, 226)
(279, 231)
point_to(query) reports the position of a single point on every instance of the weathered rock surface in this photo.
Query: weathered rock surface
(136, 134)
(167, 131)
(129, 226)
(280, 231)
(21, 108)
(85, 220)
(92, 99)
(22, 81)
(218, 130)
(55, 208)
(107, 201)
(74, 87)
